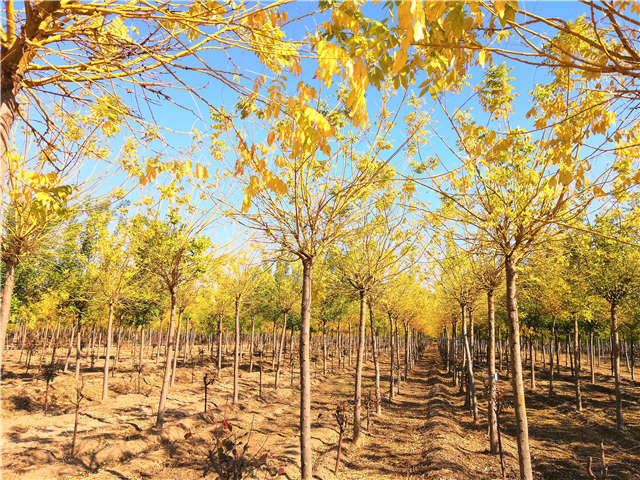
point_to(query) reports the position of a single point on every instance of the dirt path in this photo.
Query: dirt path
(423, 434)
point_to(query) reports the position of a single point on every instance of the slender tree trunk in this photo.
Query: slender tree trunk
(283, 337)
(71, 338)
(105, 374)
(576, 354)
(324, 347)
(236, 351)
(10, 269)
(391, 355)
(219, 352)
(275, 342)
(78, 349)
(251, 346)
(532, 363)
(552, 346)
(615, 348)
(305, 371)
(357, 398)
(522, 428)
(167, 364)
(376, 363)
(174, 364)
(593, 377)
(471, 383)
(491, 373)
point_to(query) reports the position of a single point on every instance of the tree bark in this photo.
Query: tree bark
(522, 427)
(283, 337)
(305, 371)
(357, 397)
(105, 374)
(167, 364)
(471, 383)
(174, 364)
(236, 350)
(376, 363)
(576, 355)
(615, 348)
(491, 365)
(7, 290)
(391, 355)
(219, 352)
(251, 346)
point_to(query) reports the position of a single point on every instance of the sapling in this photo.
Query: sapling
(604, 469)
(261, 366)
(208, 379)
(48, 373)
(79, 397)
(341, 419)
(367, 403)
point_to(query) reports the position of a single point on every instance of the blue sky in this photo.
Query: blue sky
(174, 118)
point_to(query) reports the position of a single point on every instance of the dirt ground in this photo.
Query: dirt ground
(425, 433)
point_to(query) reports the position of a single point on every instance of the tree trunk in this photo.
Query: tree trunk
(532, 363)
(8, 109)
(305, 371)
(576, 361)
(283, 337)
(219, 352)
(236, 351)
(615, 348)
(9, 278)
(251, 346)
(552, 347)
(167, 364)
(324, 347)
(105, 374)
(593, 378)
(491, 372)
(522, 428)
(357, 397)
(391, 355)
(376, 363)
(471, 383)
(174, 364)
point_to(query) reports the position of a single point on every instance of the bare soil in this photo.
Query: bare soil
(424, 433)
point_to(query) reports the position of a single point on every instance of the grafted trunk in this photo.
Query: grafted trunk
(522, 427)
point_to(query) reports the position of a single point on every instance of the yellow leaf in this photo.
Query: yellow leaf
(482, 57)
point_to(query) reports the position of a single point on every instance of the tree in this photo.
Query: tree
(111, 272)
(38, 204)
(368, 258)
(123, 48)
(174, 254)
(612, 270)
(240, 276)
